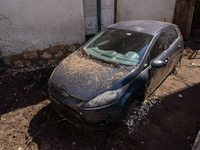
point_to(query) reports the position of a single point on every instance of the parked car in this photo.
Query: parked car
(95, 86)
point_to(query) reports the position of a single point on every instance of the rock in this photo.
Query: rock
(41, 62)
(72, 48)
(59, 54)
(180, 96)
(165, 93)
(51, 61)
(3, 119)
(49, 146)
(46, 55)
(196, 145)
(150, 104)
(32, 55)
(193, 64)
(25, 56)
(153, 101)
(28, 63)
(18, 63)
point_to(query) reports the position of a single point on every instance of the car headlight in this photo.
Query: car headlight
(106, 97)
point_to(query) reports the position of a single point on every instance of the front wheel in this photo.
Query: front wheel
(131, 108)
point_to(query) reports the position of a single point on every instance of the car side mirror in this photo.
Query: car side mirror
(158, 63)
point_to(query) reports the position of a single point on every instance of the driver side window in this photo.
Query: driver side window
(159, 47)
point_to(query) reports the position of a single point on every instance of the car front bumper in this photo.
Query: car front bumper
(91, 118)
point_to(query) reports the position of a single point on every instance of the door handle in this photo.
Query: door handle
(179, 45)
(167, 60)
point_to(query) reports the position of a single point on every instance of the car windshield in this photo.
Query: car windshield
(119, 46)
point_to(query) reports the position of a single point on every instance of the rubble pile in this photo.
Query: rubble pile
(138, 115)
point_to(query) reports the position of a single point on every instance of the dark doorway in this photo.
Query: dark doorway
(183, 16)
(196, 19)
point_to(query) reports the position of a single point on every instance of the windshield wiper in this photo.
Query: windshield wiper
(112, 63)
(99, 59)
(108, 62)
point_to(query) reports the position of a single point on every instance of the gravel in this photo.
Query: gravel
(139, 114)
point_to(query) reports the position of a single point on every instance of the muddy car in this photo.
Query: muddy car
(96, 85)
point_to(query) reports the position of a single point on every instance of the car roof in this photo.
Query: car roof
(144, 26)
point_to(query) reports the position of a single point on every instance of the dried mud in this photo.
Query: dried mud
(27, 120)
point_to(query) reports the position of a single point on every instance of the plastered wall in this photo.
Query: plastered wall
(159, 10)
(32, 25)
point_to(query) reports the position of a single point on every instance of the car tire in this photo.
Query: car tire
(131, 108)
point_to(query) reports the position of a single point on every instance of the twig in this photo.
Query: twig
(35, 135)
(44, 93)
(140, 132)
(174, 131)
(61, 120)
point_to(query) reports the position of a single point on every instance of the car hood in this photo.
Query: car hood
(83, 77)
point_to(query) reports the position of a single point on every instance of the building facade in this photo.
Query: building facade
(45, 31)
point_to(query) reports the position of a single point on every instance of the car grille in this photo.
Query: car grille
(66, 112)
(57, 93)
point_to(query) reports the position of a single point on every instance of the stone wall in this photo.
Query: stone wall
(51, 55)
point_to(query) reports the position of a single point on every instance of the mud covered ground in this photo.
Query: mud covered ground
(27, 120)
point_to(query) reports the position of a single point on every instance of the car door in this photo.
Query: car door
(159, 51)
(175, 46)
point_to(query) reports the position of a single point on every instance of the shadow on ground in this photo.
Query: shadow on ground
(172, 125)
(55, 134)
(23, 87)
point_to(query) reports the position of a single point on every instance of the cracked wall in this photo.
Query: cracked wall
(33, 26)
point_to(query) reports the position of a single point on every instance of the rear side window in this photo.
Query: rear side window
(172, 34)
